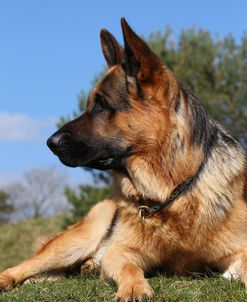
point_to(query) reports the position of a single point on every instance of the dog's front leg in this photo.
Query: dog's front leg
(75, 244)
(119, 265)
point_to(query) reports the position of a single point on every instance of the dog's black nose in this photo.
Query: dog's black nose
(57, 140)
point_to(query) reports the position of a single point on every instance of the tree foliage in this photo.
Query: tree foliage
(5, 207)
(82, 199)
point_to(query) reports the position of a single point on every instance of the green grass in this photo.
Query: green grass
(15, 245)
(17, 240)
(91, 289)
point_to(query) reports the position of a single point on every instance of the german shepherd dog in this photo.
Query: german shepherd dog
(181, 180)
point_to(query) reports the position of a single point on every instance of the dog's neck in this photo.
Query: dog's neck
(155, 179)
(151, 181)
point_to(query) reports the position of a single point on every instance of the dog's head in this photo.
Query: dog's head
(127, 112)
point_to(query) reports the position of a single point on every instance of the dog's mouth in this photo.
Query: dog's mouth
(100, 164)
(93, 159)
(106, 162)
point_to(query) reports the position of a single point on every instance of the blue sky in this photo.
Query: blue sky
(50, 50)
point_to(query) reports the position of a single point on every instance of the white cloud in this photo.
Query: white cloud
(18, 126)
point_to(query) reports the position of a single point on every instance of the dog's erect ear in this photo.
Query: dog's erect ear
(113, 52)
(141, 61)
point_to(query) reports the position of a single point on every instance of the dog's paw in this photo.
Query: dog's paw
(6, 282)
(89, 266)
(134, 292)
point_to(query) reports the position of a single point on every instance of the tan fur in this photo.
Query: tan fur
(204, 227)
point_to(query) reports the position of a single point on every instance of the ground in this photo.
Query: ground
(15, 245)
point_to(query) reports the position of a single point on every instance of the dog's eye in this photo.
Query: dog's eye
(100, 104)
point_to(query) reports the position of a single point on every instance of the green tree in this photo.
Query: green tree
(5, 207)
(82, 199)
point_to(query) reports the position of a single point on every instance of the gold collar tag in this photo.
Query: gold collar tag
(142, 211)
